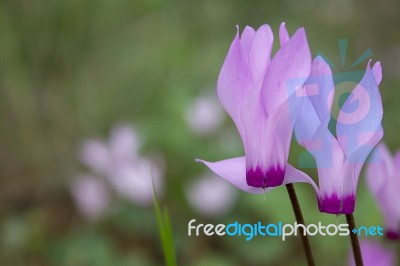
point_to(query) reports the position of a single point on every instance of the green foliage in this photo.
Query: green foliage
(165, 231)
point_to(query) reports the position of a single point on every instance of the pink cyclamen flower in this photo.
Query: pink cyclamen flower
(91, 196)
(383, 179)
(211, 196)
(136, 179)
(374, 253)
(101, 156)
(358, 129)
(204, 115)
(118, 160)
(255, 91)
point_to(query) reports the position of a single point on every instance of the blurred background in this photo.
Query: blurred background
(100, 98)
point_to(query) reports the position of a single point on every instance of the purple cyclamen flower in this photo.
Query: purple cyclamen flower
(374, 253)
(255, 91)
(358, 129)
(383, 178)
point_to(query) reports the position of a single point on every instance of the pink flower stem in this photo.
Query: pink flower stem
(300, 220)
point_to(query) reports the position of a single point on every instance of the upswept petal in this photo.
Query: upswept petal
(358, 158)
(377, 70)
(326, 150)
(306, 126)
(283, 34)
(234, 170)
(278, 135)
(352, 172)
(266, 167)
(293, 175)
(260, 51)
(245, 40)
(314, 115)
(331, 174)
(288, 70)
(358, 126)
(320, 88)
(315, 136)
(234, 82)
(255, 123)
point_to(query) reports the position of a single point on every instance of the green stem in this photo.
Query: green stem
(300, 220)
(355, 244)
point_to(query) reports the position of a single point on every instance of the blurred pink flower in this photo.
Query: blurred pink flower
(91, 196)
(124, 142)
(211, 196)
(384, 182)
(131, 174)
(134, 180)
(374, 254)
(204, 115)
(100, 156)
(94, 154)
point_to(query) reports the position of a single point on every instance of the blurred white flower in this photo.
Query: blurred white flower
(118, 160)
(204, 115)
(91, 196)
(211, 196)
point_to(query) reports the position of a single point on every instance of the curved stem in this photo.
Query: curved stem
(300, 220)
(355, 244)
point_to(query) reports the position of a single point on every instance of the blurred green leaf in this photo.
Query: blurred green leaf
(166, 235)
